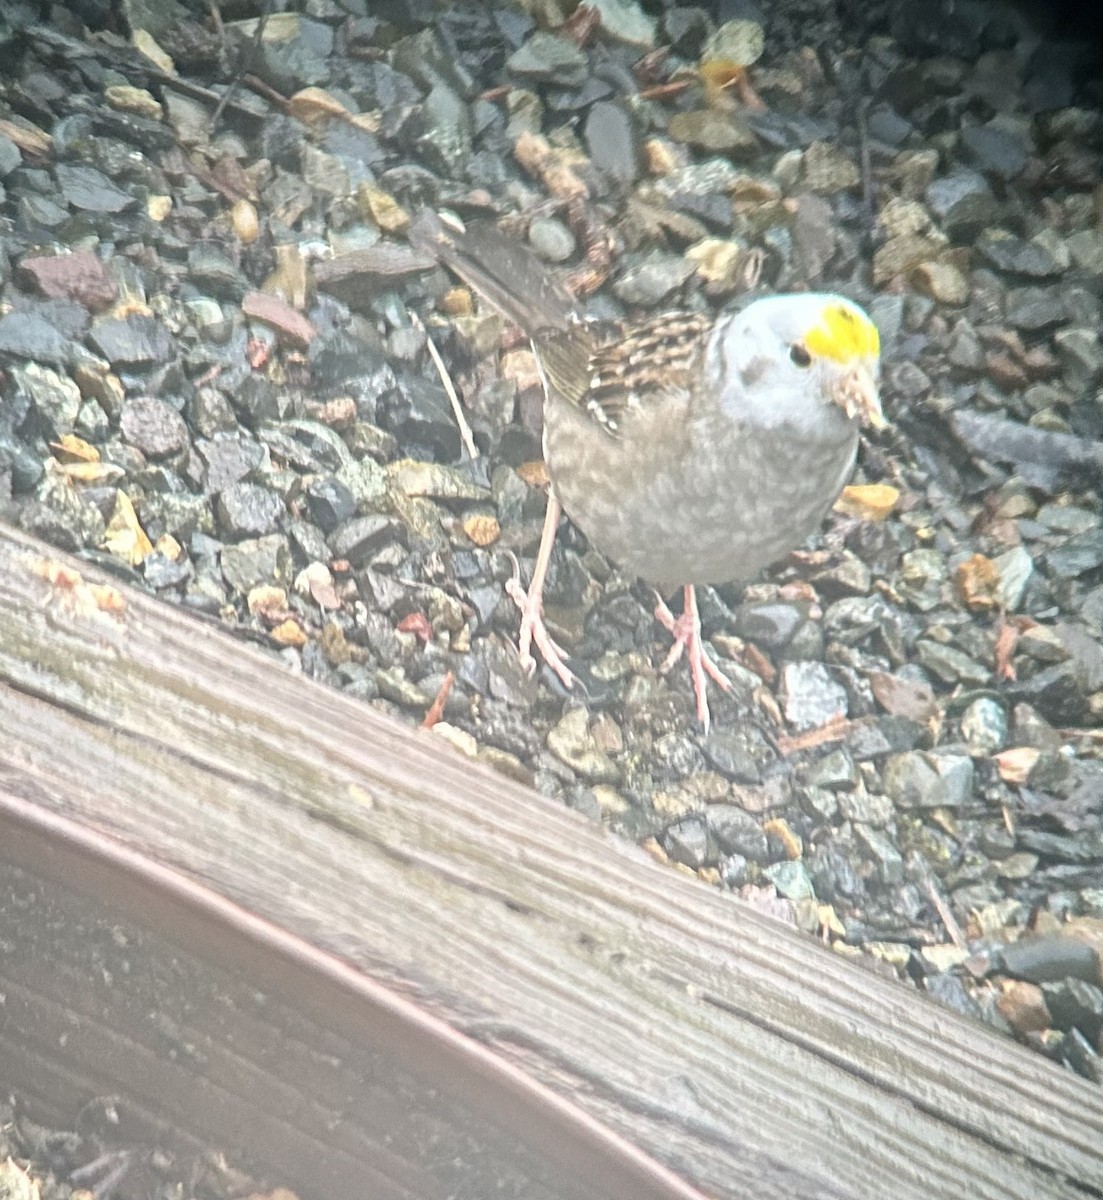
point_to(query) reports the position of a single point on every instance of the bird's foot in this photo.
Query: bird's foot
(534, 632)
(686, 631)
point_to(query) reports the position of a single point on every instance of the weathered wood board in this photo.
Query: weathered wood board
(743, 1056)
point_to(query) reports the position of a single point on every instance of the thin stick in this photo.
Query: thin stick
(247, 58)
(866, 164)
(457, 406)
(947, 917)
(436, 709)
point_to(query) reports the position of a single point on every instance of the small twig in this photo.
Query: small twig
(436, 709)
(833, 731)
(866, 165)
(247, 60)
(457, 405)
(104, 1173)
(1008, 820)
(946, 916)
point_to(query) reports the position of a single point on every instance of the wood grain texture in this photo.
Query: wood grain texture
(747, 1058)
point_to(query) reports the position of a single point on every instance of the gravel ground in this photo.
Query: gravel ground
(215, 380)
(87, 1163)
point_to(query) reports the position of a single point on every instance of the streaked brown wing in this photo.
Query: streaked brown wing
(606, 367)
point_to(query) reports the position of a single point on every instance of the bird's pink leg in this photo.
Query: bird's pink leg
(687, 637)
(531, 603)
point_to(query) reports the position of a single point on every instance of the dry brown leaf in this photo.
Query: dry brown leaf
(436, 709)
(1015, 765)
(290, 279)
(314, 104)
(662, 157)
(277, 314)
(535, 473)
(868, 501)
(783, 831)
(521, 367)
(755, 660)
(977, 582)
(31, 140)
(719, 74)
(82, 599)
(244, 221)
(269, 603)
(339, 413)
(903, 697)
(316, 581)
(556, 168)
(833, 730)
(369, 122)
(1006, 640)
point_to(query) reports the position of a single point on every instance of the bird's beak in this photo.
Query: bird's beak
(856, 394)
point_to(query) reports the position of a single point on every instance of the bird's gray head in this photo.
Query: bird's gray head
(804, 360)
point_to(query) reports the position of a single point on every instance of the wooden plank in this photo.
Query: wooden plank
(260, 1046)
(748, 1058)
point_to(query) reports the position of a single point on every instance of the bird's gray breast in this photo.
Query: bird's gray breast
(678, 505)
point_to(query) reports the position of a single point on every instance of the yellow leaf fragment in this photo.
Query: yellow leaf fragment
(289, 633)
(147, 46)
(868, 501)
(169, 547)
(125, 537)
(457, 302)
(70, 448)
(482, 528)
(382, 208)
(829, 921)
(92, 472)
(125, 98)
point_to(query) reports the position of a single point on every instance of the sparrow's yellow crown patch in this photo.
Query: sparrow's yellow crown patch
(843, 334)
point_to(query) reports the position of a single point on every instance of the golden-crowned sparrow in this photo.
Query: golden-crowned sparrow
(689, 448)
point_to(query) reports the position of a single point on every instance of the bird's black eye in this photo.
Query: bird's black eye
(799, 356)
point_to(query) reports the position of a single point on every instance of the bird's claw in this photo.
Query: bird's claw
(686, 631)
(534, 632)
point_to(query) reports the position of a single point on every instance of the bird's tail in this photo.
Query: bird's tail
(502, 270)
